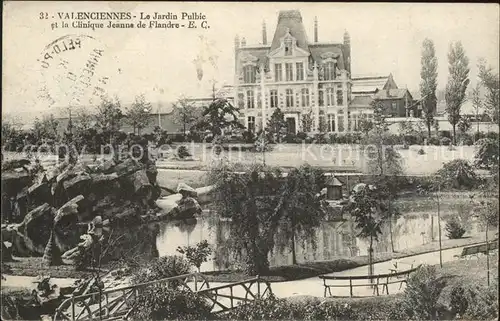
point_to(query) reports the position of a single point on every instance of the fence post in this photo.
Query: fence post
(350, 286)
(258, 287)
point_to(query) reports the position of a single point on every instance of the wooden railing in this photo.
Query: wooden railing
(228, 296)
(375, 281)
(118, 303)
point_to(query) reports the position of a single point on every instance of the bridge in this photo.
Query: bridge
(117, 304)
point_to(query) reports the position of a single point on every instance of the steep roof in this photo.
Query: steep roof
(317, 49)
(392, 93)
(290, 20)
(259, 52)
(361, 101)
(371, 84)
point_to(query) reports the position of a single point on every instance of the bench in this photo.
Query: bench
(381, 280)
(478, 249)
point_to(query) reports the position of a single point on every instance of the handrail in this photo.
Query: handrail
(367, 277)
(223, 286)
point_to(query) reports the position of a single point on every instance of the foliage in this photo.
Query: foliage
(490, 80)
(185, 114)
(475, 302)
(477, 103)
(276, 126)
(428, 84)
(422, 293)
(454, 229)
(260, 203)
(458, 174)
(161, 268)
(458, 81)
(196, 255)
(486, 153)
(307, 121)
(183, 152)
(464, 124)
(267, 309)
(218, 117)
(160, 303)
(46, 128)
(138, 114)
(421, 151)
(445, 141)
(262, 143)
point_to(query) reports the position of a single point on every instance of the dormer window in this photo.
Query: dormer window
(329, 70)
(288, 47)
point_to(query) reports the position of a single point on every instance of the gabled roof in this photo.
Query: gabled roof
(318, 49)
(392, 93)
(332, 181)
(290, 20)
(361, 101)
(371, 84)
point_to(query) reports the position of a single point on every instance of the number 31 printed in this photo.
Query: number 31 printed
(44, 15)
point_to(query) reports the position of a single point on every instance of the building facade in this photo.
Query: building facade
(305, 80)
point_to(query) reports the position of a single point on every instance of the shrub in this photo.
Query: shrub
(445, 141)
(421, 151)
(454, 229)
(433, 141)
(444, 133)
(301, 136)
(183, 152)
(321, 139)
(160, 303)
(482, 303)
(458, 174)
(161, 268)
(267, 309)
(422, 293)
(486, 153)
(248, 137)
(196, 255)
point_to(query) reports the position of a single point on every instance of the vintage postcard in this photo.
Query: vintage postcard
(249, 160)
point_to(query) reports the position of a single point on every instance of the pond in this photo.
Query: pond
(334, 239)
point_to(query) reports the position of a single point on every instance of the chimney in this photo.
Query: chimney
(315, 29)
(236, 42)
(243, 42)
(264, 33)
(347, 51)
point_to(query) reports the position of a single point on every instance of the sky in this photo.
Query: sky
(385, 38)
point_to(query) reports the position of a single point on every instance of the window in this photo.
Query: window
(289, 98)
(300, 71)
(340, 98)
(249, 74)
(321, 98)
(330, 99)
(274, 98)
(331, 123)
(305, 97)
(395, 108)
(277, 73)
(340, 121)
(251, 124)
(250, 101)
(289, 72)
(329, 71)
(288, 47)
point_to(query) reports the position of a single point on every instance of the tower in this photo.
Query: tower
(264, 33)
(347, 51)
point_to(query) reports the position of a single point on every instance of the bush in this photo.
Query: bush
(445, 141)
(161, 268)
(421, 151)
(433, 141)
(183, 152)
(271, 308)
(458, 174)
(444, 133)
(301, 136)
(196, 255)
(248, 137)
(454, 229)
(487, 154)
(160, 303)
(422, 292)
(482, 303)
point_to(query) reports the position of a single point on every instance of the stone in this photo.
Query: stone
(106, 166)
(77, 185)
(141, 182)
(127, 167)
(6, 251)
(36, 227)
(186, 190)
(52, 255)
(14, 182)
(186, 208)
(39, 193)
(70, 208)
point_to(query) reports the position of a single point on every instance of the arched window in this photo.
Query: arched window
(329, 70)
(288, 47)
(249, 74)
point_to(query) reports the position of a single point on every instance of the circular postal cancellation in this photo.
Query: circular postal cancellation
(76, 71)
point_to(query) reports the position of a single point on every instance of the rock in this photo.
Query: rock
(14, 182)
(127, 167)
(152, 172)
(77, 185)
(15, 163)
(51, 255)
(39, 193)
(70, 208)
(36, 228)
(186, 190)
(186, 208)
(141, 182)
(106, 167)
(6, 251)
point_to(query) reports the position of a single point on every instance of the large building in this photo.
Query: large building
(303, 77)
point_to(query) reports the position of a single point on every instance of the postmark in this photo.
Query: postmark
(75, 72)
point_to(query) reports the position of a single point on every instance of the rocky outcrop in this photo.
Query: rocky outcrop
(45, 213)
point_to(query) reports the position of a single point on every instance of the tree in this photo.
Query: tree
(138, 114)
(458, 81)
(428, 84)
(477, 103)
(185, 114)
(108, 120)
(263, 205)
(276, 125)
(490, 81)
(487, 154)
(218, 117)
(367, 208)
(46, 128)
(196, 255)
(464, 124)
(307, 122)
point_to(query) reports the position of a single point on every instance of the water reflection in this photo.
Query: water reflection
(334, 239)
